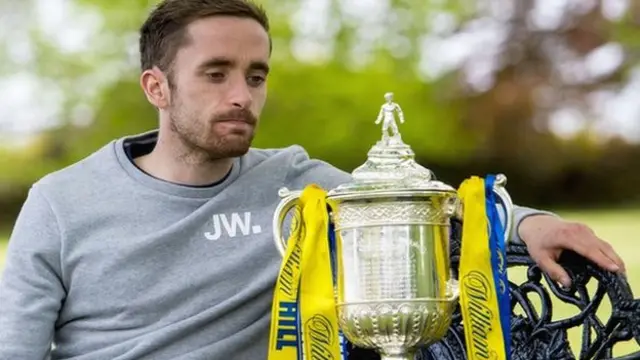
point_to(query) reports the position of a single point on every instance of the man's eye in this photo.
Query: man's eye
(255, 80)
(215, 76)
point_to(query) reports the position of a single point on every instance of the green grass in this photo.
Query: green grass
(619, 227)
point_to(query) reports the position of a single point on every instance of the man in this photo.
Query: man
(158, 246)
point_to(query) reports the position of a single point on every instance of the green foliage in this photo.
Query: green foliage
(122, 110)
(336, 123)
(329, 105)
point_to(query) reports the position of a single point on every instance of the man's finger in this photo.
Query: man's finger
(555, 271)
(592, 248)
(601, 259)
(589, 247)
(579, 245)
(591, 251)
(596, 250)
(609, 252)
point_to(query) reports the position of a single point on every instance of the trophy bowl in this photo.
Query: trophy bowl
(394, 291)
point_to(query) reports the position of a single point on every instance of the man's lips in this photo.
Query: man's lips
(236, 120)
(237, 124)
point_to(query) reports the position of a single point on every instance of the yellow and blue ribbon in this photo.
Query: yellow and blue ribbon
(304, 320)
(484, 288)
(335, 249)
(497, 244)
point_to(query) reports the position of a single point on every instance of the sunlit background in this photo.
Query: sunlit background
(546, 91)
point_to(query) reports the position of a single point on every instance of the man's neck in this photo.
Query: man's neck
(173, 162)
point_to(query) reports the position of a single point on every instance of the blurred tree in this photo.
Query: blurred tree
(480, 82)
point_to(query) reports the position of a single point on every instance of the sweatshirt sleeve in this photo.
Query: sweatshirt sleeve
(31, 290)
(304, 171)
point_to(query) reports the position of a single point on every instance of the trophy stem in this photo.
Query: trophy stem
(401, 356)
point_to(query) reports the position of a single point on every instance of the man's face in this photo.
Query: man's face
(219, 85)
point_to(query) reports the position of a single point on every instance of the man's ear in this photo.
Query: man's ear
(155, 86)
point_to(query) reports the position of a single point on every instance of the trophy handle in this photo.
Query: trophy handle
(289, 201)
(499, 188)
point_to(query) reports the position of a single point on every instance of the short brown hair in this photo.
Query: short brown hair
(163, 33)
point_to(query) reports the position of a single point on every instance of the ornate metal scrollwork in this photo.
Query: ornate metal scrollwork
(536, 335)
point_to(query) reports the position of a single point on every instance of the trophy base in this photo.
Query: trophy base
(395, 329)
(404, 356)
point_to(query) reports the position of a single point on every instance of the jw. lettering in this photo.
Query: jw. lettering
(232, 225)
(478, 291)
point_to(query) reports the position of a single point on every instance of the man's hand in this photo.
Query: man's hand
(547, 236)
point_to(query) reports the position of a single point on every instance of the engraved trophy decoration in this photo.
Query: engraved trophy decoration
(395, 293)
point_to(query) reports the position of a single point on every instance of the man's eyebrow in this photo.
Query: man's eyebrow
(216, 62)
(225, 62)
(259, 65)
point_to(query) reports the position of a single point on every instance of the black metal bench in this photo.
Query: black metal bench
(536, 335)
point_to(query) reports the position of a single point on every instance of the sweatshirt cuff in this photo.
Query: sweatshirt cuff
(520, 213)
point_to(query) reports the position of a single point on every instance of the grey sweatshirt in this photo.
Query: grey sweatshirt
(108, 263)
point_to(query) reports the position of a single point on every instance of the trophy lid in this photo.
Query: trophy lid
(390, 168)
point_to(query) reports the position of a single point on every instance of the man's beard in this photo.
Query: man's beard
(202, 144)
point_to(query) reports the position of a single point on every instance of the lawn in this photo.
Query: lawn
(618, 227)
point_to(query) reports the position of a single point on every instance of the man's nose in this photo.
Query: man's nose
(239, 94)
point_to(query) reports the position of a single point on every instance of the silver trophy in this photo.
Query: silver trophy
(396, 292)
